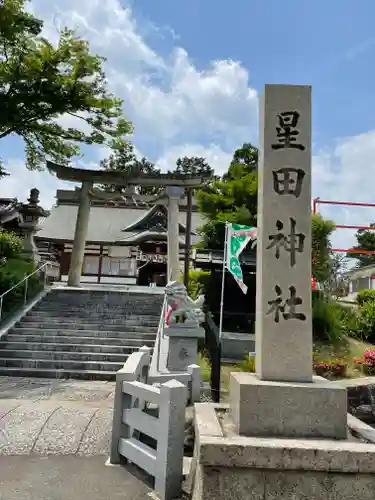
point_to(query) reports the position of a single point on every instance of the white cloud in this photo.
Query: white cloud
(346, 173)
(176, 108)
(18, 184)
(214, 155)
(166, 97)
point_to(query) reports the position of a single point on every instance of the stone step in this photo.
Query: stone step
(107, 303)
(83, 313)
(77, 325)
(88, 314)
(58, 374)
(76, 339)
(101, 300)
(11, 345)
(124, 299)
(89, 318)
(96, 294)
(83, 357)
(48, 364)
(131, 332)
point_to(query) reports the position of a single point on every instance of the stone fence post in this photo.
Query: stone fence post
(170, 455)
(134, 368)
(195, 383)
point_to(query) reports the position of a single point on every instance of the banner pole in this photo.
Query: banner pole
(223, 282)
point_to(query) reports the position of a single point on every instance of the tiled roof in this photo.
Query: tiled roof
(105, 225)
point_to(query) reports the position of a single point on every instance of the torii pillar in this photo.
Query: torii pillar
(173, 269)
(80, 235)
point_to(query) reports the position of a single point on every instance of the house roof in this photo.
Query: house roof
(361, 272)
(106, 224)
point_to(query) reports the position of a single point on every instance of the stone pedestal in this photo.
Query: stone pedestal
(183, 346)
(235, 467)
(307, 410)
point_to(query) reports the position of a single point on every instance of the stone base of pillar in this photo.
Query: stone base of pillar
(227, 465)
(285, 409)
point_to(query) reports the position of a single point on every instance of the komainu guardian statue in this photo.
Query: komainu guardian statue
(181, 308)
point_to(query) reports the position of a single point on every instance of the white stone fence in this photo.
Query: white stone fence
(132, 397)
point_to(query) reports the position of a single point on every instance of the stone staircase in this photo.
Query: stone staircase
(83, 334)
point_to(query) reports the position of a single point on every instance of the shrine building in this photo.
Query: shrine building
(126, 240)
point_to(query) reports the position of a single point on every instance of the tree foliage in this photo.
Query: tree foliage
(193, 166)
(338, 282)
(321, 248)
(365, 241)
(40, 82)
(10, 246)
(125, 161)
(232, 198)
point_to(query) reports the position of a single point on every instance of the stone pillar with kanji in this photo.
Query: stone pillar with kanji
(283, 398)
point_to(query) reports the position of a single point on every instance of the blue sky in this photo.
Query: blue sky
(328, 45)
(190, 73)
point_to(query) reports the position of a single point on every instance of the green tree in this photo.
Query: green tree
(321, 248)
(193, 166)
(125, 161)
(40, 82)
(10, 246)
(232, 198)
(245, 160)
(365, 241)
(338, 282)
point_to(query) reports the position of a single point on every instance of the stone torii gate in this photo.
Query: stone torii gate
(175, 189)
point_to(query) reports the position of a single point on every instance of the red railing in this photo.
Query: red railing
(318, 201)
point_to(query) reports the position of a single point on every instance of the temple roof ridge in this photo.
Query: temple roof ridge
(147, 218)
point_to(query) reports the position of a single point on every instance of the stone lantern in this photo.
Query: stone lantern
(31, 212)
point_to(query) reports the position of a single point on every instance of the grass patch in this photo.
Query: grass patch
(205, 367)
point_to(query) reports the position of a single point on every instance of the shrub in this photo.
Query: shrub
(365, 296)
(327, 322)
(332, 368)
(366, 320)
(11, 273)
(348, 318)
(10, 245)
(366, 363)
(197, 283)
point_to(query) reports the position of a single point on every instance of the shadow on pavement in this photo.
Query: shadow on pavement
(70, 478)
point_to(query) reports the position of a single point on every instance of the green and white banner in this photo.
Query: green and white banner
(237, 237)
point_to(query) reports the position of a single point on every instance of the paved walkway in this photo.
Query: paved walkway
(54, 442)
(68, 478)
(42, 416)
